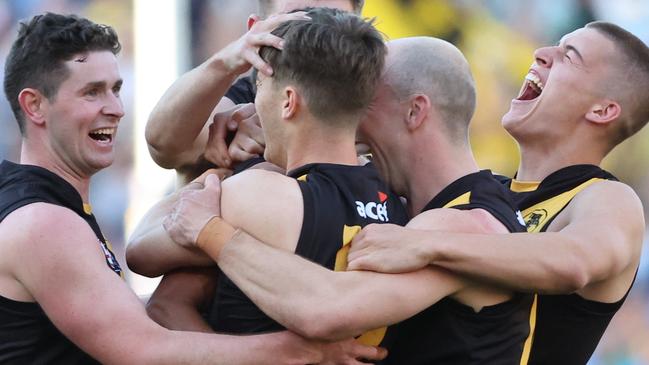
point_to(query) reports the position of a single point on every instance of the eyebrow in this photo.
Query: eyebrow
(95, 84)
(102, 84)
(572, 48)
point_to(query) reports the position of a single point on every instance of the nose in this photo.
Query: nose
(544, 56)
(114, 106)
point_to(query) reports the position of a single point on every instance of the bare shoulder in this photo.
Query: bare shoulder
(614, 199)
(46, 242)
(253, 176)
(42, 230)
(45, 218)
(259, 201)
(40, 220)
(456, 220)
(258, 187)
(611, 190)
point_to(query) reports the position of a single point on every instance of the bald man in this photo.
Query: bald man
(418, 132)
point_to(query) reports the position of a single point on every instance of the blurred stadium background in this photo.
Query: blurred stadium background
(164, 38)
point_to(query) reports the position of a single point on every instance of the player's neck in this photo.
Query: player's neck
(51, 162)
(321, 146)
(540, 160)
(429, 175)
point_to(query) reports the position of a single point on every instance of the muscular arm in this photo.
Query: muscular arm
(598, 236)
(176, 131)
(151, 252)
(64, 270)
(181, 297)
(319, 303)
(270, 276)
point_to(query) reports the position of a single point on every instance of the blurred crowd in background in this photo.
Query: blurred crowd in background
(497, 36)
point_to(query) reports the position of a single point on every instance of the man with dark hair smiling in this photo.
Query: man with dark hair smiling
(62, 298)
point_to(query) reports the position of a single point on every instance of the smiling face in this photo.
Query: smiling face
(81, 118)
(562, 85)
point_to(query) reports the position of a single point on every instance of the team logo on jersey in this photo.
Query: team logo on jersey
(110, 258)
(535, 218)
(373, 210)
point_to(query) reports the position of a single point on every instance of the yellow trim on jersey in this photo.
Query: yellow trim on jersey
(524, 186)
(460, 200)
(87, 208)
(536, 216)
(530, 338)
(373, 337)
(341, 256)
(302, 178)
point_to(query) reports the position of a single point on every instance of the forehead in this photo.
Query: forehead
(283, 6)
(595, 47)
(93, 67)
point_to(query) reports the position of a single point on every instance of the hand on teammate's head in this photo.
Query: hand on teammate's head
(243, 53)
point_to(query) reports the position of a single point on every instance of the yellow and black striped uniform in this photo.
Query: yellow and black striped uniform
(450, 332)
(568, 327)
(27, 336)
(338, 201)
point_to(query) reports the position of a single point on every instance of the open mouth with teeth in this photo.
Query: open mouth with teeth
(532, 89)
(104, 135)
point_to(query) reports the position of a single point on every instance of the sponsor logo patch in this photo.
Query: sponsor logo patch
(374, 210)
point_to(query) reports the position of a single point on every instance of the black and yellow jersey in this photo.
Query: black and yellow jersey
(568, 327)
(27, 336)
(338, 201)
(450, 332)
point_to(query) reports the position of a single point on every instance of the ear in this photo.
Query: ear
(32, 104)
(291, 103)
(252, 19)
(605, 112)
(418, 110)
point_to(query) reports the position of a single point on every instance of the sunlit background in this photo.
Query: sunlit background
(163, 38)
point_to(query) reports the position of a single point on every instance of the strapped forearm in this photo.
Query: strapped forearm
(319, 303)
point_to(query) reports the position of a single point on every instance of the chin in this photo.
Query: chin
(101, 163)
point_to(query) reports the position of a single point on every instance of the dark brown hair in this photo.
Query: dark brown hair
(37, 56)
(335, 60)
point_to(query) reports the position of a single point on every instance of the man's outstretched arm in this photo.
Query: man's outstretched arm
(597, 236)
(150, 250)
(319, 303)
(177, 130)
(65, 271)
